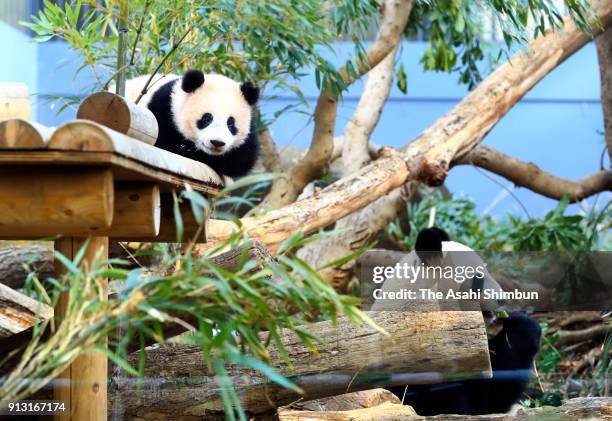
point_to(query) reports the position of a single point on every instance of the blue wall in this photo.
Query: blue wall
(558, 125)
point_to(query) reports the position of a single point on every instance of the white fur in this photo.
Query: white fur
(219, 96)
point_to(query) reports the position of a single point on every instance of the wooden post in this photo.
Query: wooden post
(84, 383)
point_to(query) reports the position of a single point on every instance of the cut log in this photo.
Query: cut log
(120, 114)
(15, 257)
(347, 401)
(19, 312)
(383, 412)
(14, 101)
(88, 136)
(49, 199)
(429, 347)
(22, 134)
(137, 210)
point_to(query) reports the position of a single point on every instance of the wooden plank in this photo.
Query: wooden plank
(422, 347)
(19, 312)
(117, 113)
(383, 412)
(84, 382)
(124, 169)
(51, 198)
(17, 133)
(14, 100)
(87, 136)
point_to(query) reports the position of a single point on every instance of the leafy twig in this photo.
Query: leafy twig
(163, 60)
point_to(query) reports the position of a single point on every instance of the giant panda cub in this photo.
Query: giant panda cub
(513, 351)
(208, 118)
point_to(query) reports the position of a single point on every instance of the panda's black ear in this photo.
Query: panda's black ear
(429, 239)
(250, 92)
(192, 80)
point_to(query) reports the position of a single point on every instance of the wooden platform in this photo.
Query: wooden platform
(85, 143)
(85, 179)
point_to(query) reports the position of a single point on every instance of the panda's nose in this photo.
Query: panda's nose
(217, 143)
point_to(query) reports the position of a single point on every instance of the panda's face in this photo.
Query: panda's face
(215, 113)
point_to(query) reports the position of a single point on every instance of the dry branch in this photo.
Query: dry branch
(285, 190)
(350, 358)
(567, 337)
(529, 175)
(429, 156)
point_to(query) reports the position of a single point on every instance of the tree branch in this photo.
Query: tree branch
(529, 175)
(355, 153)
(604, 54)
(427, 158)
(269, 154)
(359, 228)
(394, 16)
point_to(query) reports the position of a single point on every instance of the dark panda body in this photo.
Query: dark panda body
(513, 351)
(236, 162)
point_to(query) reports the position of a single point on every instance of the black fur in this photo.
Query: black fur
(428, 244)
(235, 163)
(192, 80)
(250, 93)
(512, 353)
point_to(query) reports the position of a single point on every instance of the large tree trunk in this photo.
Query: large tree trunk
(604, 53)
(429, 157)
(427, 346)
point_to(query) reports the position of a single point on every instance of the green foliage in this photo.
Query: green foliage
(227, 309)
(555, 231)
(270, 42)
(455, 29)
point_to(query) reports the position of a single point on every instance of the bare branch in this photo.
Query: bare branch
(394, 16)
(358, 130)
(529, 175)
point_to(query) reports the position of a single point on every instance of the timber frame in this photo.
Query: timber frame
(84, 184)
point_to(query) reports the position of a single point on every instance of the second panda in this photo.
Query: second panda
(207, 118)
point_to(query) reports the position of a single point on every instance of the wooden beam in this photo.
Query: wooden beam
(124, 169)
(14, 100)
(87, 136)
(117, 113)
(84, 383)
(137, 211)
(22, 134)
(47, 199)
(19, 312)
(432, 347)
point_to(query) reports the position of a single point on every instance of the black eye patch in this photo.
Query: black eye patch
(231, 125)
(204, 121)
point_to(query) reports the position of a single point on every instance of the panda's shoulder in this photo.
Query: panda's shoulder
(454, 246)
